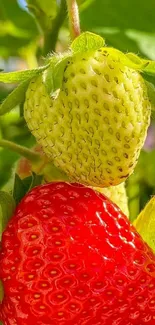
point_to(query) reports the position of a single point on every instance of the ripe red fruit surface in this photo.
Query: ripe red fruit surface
(70, 257)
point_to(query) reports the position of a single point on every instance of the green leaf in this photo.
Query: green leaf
(150, 68)
(36, 180)
(48, 75)
(19, 189)
(146, 67)
(16, 97)
(136, 64)
(133, 61)
(22, 186)
(7, 206)
(151, 93)
(18, 76)
(53, 76)
(145, 223)
(87, 42)
(27, 181)
(149, 78)
(136, 59)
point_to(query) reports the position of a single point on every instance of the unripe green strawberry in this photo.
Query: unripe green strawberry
(95, 128)
(118, 195)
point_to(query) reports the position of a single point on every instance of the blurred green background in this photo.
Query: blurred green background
(25, 41)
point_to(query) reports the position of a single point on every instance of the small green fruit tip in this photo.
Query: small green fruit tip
(145, 223)
(146, 212)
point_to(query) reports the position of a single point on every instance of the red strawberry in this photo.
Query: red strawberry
(70, 257)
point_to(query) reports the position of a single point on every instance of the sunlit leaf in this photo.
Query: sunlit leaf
(16, 97)
(87, 42)
(151, 93)
(18, 76)
(53, 76)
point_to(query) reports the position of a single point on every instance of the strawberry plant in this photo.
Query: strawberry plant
(77, 160)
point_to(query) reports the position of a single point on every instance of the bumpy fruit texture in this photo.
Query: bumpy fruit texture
(69, 256)
(145, 223)
(118, 195)
(95, 128)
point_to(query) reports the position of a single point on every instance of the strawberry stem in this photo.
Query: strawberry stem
(51, 36)
(74, 20)
(23, 151)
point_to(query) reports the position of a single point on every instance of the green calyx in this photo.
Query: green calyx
(17, 96)
(88, 43)
(54, 67)
(53, 76)
(9, 200)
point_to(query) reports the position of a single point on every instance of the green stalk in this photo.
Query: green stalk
(51, 36)
(74, 20)
(23, 151)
